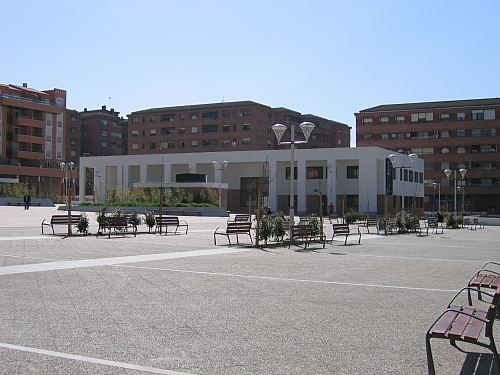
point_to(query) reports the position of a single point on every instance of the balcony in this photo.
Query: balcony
(25, 121)
(26, 154)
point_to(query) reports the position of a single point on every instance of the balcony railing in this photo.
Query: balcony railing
(38, 101)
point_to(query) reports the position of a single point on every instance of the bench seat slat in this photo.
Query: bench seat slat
(442, 326)
(458, 326)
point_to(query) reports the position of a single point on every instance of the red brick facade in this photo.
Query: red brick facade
(447, 135)
(235, 126)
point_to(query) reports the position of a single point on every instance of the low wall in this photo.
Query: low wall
(20, 202)
(176, 211)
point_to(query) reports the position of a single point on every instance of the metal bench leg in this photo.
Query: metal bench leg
(345, 242)
(493, 348)
(359, 242)
(430, 361)
(215, 241)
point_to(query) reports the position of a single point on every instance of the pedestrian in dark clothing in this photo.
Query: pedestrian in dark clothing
(331, 207)
(27, 201)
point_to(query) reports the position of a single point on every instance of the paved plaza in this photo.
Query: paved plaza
(177, 304)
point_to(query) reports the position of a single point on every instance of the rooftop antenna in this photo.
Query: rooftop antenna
(109, 101)
(222, 99)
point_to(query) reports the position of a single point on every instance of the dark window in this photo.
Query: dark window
(352, 171)
(226, 114)
(247, 127)
(226, 128)
(411, 176)
(405, 173)
(152, 146)
(421, 175)
(210, 128)
(314, 173)
(209, 142)
(212, 115)
(167, 117)
(245, 113)
(248, 190)
(167, 131)
(287, 173)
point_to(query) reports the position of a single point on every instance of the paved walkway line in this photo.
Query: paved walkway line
(68, 264)
(287, 279)
(418, 258)
(20, 238)
(129, 366)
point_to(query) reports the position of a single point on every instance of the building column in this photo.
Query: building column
(167, 172)
(192, 167)
(367, 185)
(301, 187)
(331, 172)
(143, 173)
(273, 198)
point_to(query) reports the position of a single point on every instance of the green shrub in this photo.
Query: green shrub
(150, 220)
(453, 221)
(83, 224)
(351, 217)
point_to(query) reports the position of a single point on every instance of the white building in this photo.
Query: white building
(352, 178)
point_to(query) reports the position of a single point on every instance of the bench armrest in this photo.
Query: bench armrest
(469, 288)
(488, 263)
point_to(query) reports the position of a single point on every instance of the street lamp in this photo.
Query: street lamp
(463, 172)
(67, 168)
(223, 166)
(394, 159)
(279, 130)
(160, 208)
(438, 184)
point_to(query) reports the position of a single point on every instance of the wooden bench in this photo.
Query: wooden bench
(391, 226)
(344, 230)
(22, 204)
(433, 224)
(303, 233)
(485, 278)
(60, 220)
(465, 323)
(116, 225)
(234, 229)
(373, 223)
(170, 221)
(240, 218)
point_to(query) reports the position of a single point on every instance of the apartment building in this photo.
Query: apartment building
(232, 126)
(32, 128)
(457, 134)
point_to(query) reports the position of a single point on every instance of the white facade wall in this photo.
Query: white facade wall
(121, 172)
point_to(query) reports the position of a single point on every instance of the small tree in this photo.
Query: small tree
(150, 220)
(83, 224)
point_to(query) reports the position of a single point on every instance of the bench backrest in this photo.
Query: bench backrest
(475, 220)
(432, 222)
(340, 229)
(118, 221)
(243, 227)
(241, 218)
(63, 219)
(167, 220)
(371, 222)
(301, 230)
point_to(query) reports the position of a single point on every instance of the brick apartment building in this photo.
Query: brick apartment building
(232, 126)
(32, 124)
(448, 135)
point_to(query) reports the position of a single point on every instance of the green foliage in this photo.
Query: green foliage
(209, 195)
(118, 212)
(272, 226)
(101, 214)
(351, 217)
(83, 224)
(315, 224)
(150, 219)
(134, 218)
(406, 222)
(452, 221)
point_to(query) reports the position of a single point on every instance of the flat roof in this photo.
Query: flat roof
(433, 105)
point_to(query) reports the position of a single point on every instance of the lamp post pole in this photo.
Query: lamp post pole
(279, 130)
(221, 169)
(67, 168)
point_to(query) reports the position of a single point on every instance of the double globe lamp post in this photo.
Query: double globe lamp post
(219, 169)
(67, 168)
(279, 130)
(463, 172)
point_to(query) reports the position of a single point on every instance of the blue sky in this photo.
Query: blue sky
(330, 58)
